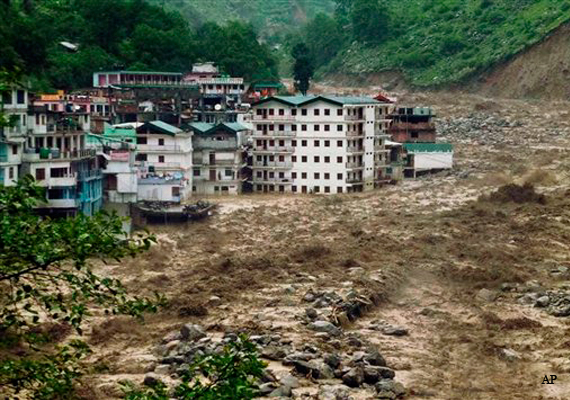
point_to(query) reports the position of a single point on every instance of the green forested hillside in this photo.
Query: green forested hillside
(433, 42)
(127, 34)
(273, 19)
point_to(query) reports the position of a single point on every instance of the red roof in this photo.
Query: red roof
(383, 98)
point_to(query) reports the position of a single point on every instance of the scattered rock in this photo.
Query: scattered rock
(214, 301)
(289, 381)
(192, 332)
(375, 358)
(542, 301)
(354, 377)
(273, 353)
(336, 392)
(333, 360)
(283, 391)
(389, 386)
(325, 326)
(311, 313)
(150, 379)
(162, 369)
(509, 355)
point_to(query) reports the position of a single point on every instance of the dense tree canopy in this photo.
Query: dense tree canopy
(303, 68)
(130, 34)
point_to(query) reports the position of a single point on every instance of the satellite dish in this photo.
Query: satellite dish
(218, 107)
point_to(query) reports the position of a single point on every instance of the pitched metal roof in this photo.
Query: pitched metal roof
(428, 147)
(160, 126)
(302, 100)
(204, 127)
(200, 127)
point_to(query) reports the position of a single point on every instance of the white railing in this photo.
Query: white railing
(155, 147)
(274, 149)
(262, 118)
(270, 134)
(273, 164)
(355, 149)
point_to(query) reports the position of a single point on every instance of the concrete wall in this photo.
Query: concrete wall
(425, 161)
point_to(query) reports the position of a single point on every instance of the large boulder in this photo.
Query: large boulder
(354, 377)
(325, 326)
(192, 332)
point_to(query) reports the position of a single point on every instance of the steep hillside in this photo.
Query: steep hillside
(272, 18)
(542, 71)
(437, 43)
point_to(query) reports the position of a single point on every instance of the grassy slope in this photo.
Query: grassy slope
(272, 18)
(438, 42)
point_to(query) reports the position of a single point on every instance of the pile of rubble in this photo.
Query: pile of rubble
(481, 128)
(350, 360)
(554, 301)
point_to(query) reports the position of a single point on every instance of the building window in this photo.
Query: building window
(327, 143)
(281, 143)
(327, 159)
(339, 189)
(161, 142)
(272, 143)
(327, 189)
(339, 159)
(327, 128)
(339, 143)
(141, 140)
(272, 175)
(175, 191)
(317, 128)
(303, 175)
(281, 175)
(271, 158)
(196, 172)
(303, 127)
(58, 172)
(303, 189)
(327, 175)
(14, 149)
(294, 111)
(160, 159)
(294, 143)
(271, 127)
(339, 128)
(303, 158)
(327, 111)
(281, 158)
(317, 111)
(317, 159)
(317, 189)
(7, 98)
(281, 111)
(216, 188)
(259, 158)
(271, 111)
(21, 97)
(281, 127)
(294, 128)
(259, 126)
(293, 175)
(11, 173)
(339, 176)
(259, 174)
(294, 158)
(317, 175)
(259, 188)
(304, 143)
(141, 157)
(294, 189)
(317, 143)
(40, 174)
(259, 111)
(339, 112)
(303, 111)
(281, 189)
(414, 135)
(228, 172)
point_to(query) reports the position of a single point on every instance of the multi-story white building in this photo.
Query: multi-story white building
(218, 158)
(164, 161)
(319, 144)
(14, 104)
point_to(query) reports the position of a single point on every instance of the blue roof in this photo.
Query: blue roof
(204, 127)
(161, 126)
(428, 147)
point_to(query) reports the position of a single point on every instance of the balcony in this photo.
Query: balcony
(354, 165)
(354, 117)
(354, 180)
(355, 149)
(355, 133)
(272, 181)
(68, 180)
(148, 148)
(62, 203)
(273, 134)
(156, 180)
(165, 165)
(277, 118)
(274, 150)
(273, 164)
(45, 154)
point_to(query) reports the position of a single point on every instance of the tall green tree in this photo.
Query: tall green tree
(369, 19)
(46, 280)
(324, 37)
(303, 68)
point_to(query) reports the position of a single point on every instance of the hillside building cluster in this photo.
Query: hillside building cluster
(156, 136)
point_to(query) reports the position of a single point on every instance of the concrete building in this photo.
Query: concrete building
(15, 105)
(56, 155)
(219, 158)
(319, 144)
(412, 125)
(427, 157)
(164, 161)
